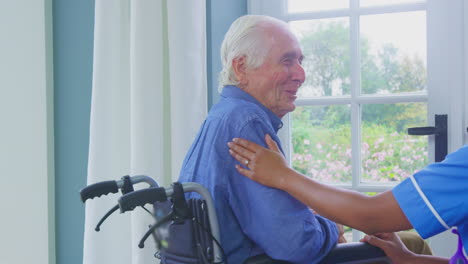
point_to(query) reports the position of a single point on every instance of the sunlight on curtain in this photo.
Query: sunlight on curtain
(149, 99)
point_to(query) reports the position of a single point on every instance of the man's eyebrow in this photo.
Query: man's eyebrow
(292, 55)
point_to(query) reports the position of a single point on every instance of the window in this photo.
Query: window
(374, 68)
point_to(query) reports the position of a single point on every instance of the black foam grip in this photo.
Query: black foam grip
(98, 189)
(129, 201)
(353, 252)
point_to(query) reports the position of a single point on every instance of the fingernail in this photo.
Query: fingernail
(235, 139)
(229, 144)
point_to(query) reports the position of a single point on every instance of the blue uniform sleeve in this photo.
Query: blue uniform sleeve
(283, 227)
(416, 210)
(436, 198)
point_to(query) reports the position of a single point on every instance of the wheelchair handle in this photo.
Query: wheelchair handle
(105, 187)
(130, 201)
(98, 189)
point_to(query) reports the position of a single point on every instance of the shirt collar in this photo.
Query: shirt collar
(235, 92)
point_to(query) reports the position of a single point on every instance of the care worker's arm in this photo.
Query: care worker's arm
(379, 213)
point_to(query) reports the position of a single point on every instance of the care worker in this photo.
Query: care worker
(431, 201)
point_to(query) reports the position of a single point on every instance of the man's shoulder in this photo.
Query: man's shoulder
(236, 110)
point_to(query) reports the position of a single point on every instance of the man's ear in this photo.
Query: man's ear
(239, 67)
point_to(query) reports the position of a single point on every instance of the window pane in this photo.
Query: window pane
(297, 6)
(393, 53)
(325, 44)
(366, 3)
(388, 152)
(321, 138)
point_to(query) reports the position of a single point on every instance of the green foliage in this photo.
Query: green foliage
(397, 116)
(325, 153)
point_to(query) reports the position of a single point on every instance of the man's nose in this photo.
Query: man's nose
(298, 73)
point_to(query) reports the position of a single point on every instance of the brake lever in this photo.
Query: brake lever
(113, 209)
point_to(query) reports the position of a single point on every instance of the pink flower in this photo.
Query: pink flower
(348, 152)
(365, 147)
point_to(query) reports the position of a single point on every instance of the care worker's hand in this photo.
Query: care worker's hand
(266, 166)
(393, 247)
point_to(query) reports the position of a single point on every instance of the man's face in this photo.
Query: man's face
(276, 82)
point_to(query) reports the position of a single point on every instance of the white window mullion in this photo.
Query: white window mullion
(324, 101)
(392, 9)
(364, 99)
(355, 106)
(392, 99)
(345, 12)
(355, 91)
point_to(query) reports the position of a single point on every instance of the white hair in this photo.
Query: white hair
(246, 37)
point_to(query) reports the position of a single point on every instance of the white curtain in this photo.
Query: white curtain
(149, 99)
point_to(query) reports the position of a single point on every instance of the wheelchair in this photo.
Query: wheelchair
(187, 231)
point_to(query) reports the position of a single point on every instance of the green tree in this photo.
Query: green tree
(327, 57)
(327, 66)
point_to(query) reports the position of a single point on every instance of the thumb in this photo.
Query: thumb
(271, 143)
(375, 241)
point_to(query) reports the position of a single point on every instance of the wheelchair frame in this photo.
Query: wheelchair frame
(348, 253)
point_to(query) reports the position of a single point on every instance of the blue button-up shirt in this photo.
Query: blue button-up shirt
(253, 218)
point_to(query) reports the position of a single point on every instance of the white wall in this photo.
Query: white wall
(26, 133)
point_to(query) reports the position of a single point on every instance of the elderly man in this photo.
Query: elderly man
(261, 75)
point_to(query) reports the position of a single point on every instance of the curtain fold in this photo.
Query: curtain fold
(149, 99)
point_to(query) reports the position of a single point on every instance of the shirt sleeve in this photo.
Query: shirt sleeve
(281, 225)
(436, 198)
